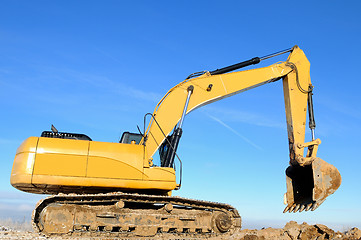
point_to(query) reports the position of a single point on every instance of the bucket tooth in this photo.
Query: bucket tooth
(297, 207)
(308, 206)
(293, 207)
(315, 206)
(302, 207)
(287, 208)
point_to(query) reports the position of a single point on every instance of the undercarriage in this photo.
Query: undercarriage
(122, 215)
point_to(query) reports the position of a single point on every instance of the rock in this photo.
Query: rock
(309, 232)
(272, 233)
(324, 230)
(303, 231)
(253, 237)
(292, 229)
(291, 224)
(4, 229)
(353, 233)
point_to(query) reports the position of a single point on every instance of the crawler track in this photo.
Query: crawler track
(123, 215)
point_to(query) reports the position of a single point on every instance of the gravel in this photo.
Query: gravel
(291, 231)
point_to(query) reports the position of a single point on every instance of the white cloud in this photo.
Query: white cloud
(19, 197)
(338, 106)
(108, 55)
(105, 83)
(247, 140)
(25, 207)
(16, 204)
(50, 82)
(17, 207)
(245, 117)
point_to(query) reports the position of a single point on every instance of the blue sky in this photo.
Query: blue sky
(97, 67)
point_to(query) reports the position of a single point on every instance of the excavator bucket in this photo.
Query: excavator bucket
(308, 186)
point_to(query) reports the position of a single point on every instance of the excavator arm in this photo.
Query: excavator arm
(309, 179)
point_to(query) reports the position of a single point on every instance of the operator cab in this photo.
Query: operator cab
(128, 137)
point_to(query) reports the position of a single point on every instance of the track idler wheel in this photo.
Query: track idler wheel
(221, 222)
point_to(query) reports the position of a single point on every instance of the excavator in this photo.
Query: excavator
(115, 190)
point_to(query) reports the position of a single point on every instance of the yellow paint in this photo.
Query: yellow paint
(61, 157)
(114, 183)
(115, 160)
(159, 174)
(296, 100)
(47, 163)
(44, 164)
(169, 110)
(24, 162)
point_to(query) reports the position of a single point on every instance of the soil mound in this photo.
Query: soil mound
(291, 231)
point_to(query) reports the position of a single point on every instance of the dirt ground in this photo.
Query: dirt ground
(290, 231)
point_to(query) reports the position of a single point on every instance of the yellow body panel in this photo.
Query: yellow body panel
(295, 87)
(115, 160)
(60, 157)
(157, 173)
(23, 166)
(55, 182)
(51, 165)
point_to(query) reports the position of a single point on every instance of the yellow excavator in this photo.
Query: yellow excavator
(115, 189)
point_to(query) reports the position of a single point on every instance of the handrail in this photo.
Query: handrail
(166, 139)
